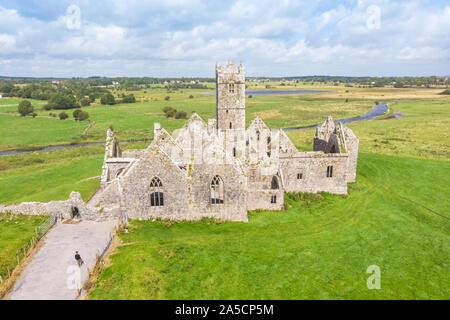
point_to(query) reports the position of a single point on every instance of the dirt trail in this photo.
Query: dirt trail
(47, 277)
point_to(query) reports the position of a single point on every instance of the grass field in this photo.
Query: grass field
(15, 232)
(317, 249)
(423, 132)
(135, 121)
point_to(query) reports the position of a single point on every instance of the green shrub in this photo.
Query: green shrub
(60, 101)
(191, 97)
(107, 98)
(25, 108)
(171, 113)
(83, 115)
(76, 113)
(167, 98)
(180, 115)
(85, 102)
(63, 116)
(167, 109)
(129, 98)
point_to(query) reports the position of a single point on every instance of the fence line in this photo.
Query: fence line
(25, 250)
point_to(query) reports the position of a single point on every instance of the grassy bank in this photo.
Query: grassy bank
(319, 248)
(15, 232)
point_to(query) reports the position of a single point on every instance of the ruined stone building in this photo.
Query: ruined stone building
(220, 168)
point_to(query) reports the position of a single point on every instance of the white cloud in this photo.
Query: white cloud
(289, 37)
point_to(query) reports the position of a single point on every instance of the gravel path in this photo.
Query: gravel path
(47, 276)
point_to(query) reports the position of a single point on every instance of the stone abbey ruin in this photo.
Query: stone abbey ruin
(218, 169)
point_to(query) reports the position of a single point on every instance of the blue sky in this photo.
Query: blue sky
(177, 38)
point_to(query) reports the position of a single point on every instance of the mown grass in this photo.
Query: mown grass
(15, 232)
(423, 132)
(319, 248)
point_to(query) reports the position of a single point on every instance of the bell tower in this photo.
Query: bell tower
(230, 96)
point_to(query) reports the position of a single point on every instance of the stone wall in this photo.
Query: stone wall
(65, 208)
(313, 169)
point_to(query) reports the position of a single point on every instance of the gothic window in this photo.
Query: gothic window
(329, 171)
(273, 199)
(299, 176)
(156, 193)
(269, 146)
(231, 87)
(234, 152)
(231, 125)
(274, 183)
(217, 190)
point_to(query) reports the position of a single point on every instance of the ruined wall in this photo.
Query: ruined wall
(114, 167)
(235, 196)
(313, 169)
(352, 144)
(260, 192)
(134, 188)
(64, 208)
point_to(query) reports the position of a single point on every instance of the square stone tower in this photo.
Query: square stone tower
(230, 96)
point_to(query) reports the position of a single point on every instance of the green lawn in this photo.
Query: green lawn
(15, 232)
(317, 249)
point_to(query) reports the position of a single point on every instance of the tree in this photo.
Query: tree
(191, 97)
(60, 101)
(167, 98)
(171, 113)
(25, 108)
(107, 98)
(76, 114)
(129, 98)
(167, 109)
(180, 115)
(83, 115)
(63, 116)
(85, 102)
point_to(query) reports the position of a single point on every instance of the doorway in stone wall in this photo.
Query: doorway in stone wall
(75, 213)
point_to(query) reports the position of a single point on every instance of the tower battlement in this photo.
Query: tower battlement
(230, 73)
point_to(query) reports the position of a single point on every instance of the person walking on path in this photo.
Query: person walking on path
(78, 259)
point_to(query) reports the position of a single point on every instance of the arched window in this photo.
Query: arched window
(156, 193)
(231, 125)
(234, 152)
(269, 146)
(119, 172)
(274, 183)
(217, 190)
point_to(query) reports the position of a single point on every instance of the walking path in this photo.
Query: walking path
(49, 275)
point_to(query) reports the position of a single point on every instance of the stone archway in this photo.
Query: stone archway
(75, 213)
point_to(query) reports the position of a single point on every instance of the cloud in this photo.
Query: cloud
(181, 37)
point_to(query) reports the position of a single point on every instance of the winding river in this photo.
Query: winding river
(378, 110)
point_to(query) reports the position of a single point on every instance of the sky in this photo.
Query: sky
(176, 38)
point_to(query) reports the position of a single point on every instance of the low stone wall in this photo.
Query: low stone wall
(65, 208)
